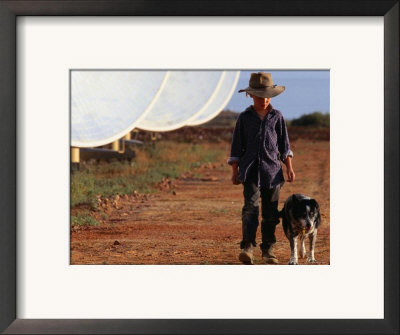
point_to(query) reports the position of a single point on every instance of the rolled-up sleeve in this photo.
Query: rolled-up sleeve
(283, 141)
(237, 146)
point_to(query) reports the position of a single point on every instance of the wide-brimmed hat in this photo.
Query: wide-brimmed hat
(261, 85)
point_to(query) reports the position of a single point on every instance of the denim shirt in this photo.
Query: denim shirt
(263, 143)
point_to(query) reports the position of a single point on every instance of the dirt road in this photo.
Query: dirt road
(196, 220)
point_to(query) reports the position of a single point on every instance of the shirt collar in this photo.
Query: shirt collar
(253, 111)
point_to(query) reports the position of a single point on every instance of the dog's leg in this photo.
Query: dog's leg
(313, 239)
(302, 246)
(293, 251)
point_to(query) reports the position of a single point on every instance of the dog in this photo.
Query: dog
(300, 217)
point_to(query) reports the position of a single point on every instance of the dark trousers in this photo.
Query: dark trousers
(250, 211)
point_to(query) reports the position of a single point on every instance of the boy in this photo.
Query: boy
(260, 141)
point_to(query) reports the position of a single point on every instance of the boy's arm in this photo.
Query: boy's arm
(283, 141)
(284, 149)
(289, 169)
(235, 173)
(236, 151)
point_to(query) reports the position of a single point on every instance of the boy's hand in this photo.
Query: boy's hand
(291, 175)
(289, 170)
(235, 173)
(235, 180)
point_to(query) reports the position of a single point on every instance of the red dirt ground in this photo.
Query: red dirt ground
(196, 220)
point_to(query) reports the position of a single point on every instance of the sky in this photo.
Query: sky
(306, 92)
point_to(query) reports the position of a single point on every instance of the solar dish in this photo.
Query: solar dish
(185, 96)
(106, 105)
(220, 100)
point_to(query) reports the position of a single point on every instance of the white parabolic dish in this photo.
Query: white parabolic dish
(107, 104)
(220, 100)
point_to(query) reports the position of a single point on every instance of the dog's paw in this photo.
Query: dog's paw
(293, 261)
(311, 260)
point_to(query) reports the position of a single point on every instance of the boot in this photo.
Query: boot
(268, 255)
(246, 256)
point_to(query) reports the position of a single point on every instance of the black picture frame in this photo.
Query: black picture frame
(9, 10)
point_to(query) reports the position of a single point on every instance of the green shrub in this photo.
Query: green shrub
(154, 162)
(83, 219)
(316, 119)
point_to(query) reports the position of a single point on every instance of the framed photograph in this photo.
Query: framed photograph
(150, 182)
(48, 287)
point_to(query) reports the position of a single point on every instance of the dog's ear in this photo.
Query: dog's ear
(314, 204)
(318, 220)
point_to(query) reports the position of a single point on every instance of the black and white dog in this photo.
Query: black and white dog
(300, 217)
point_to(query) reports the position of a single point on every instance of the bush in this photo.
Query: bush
(316, 119)
(83, 219)
(154, 162)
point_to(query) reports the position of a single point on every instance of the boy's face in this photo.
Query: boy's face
(260, 103)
